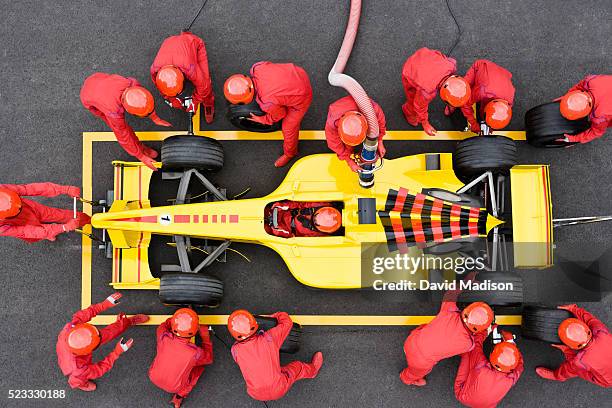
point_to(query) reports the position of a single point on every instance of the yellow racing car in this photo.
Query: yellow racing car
(427, 202)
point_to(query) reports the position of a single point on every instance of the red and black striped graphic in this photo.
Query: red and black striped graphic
(417, 219)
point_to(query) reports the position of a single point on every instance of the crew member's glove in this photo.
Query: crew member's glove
(174, 102)
(123, 345)
(209, 113)
(113, 300)
(569, 140)
(73, 191)
(427, 128)
(152, 153)
(353, 165)
(568, 353)
(257, 119)
(507, 336)
(475, 126)
(83, 219)
(567, 307)
(71, 225)
(204, 332)
(149, 162)
(449, 110)
(381, 150)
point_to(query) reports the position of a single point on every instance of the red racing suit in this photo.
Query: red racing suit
(36, 221)
(81, 369)
(335, 112)
(259, 361)
(179, 363)
(488, 81)
(283, 91)
(101, 94)
(293, 224)
(600, 88)
(594, 362)
(422, 74)
(478, 384)
(187, 52)
(445, 336)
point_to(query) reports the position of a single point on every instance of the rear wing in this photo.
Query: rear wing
(532, 227)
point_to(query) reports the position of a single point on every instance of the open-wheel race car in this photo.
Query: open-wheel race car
(433, 203)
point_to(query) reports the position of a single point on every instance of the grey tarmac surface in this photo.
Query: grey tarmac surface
(48, 48)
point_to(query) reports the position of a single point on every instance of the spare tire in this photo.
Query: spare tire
(293, 341)
(508, 297)
(541, 323)
(238, 115)
(479, 154)
(190, 289)
(191, 152)
(544, 124)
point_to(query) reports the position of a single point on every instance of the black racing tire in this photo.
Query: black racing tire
(293, 341)
(503, 298)
(190, 289)
(238, 114)
(541, 323)
(185, 152)
(479, 154)
(544, 124)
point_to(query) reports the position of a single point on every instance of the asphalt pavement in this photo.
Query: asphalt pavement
(48, 48)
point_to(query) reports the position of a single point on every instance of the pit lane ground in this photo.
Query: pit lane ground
(49, 48)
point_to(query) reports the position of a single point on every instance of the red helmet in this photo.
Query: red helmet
(477, 316)
(498, 113)
(138, 101)
(241, 324)
(185, 323)
(505, 356)
(576, 104)
(83, 339)
(327, 219)
(575, 333)
(238, 89)
(10, 203)
(169, 80)
(352, 128)
(455, 91)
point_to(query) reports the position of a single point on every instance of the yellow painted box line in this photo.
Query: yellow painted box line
(397, 135)
(320, 320)
(308, 320)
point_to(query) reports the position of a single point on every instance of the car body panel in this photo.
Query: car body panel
(332, 262)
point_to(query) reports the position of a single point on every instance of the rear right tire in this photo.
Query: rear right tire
(544, 125)
(479, 154)
(542, 323)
